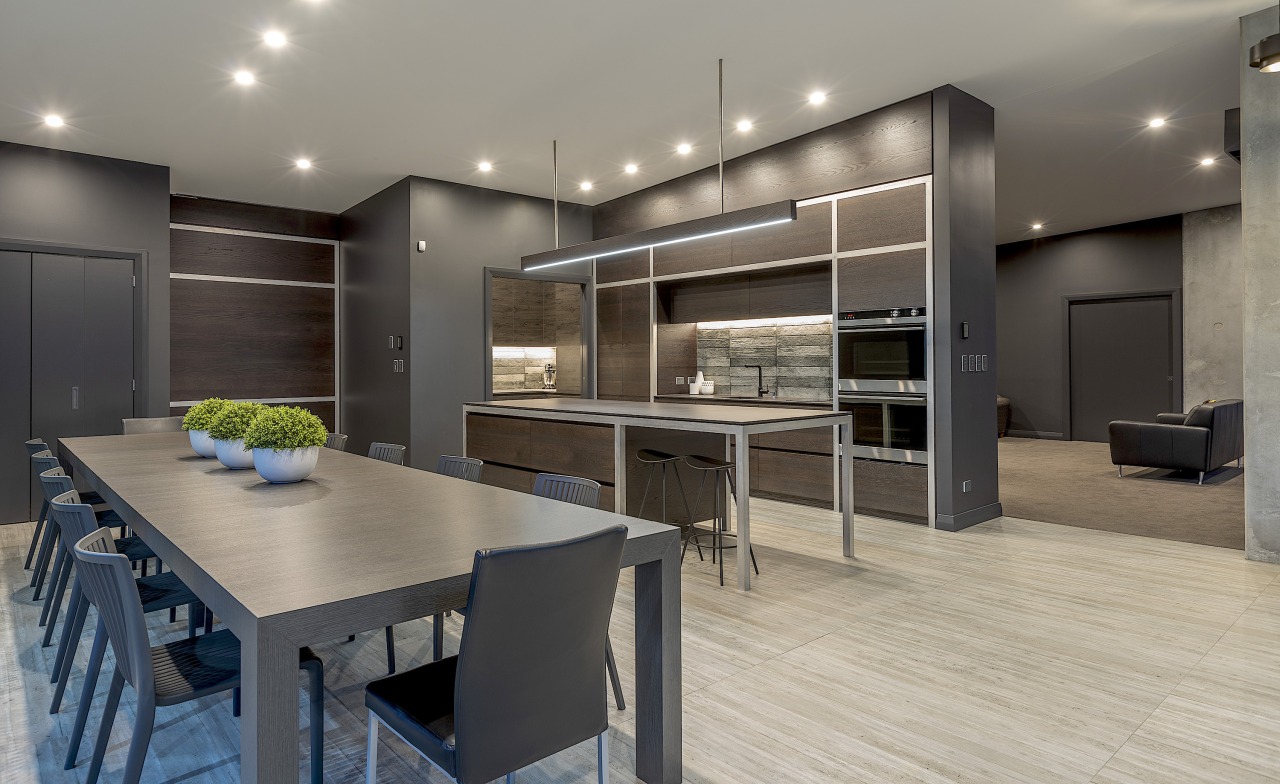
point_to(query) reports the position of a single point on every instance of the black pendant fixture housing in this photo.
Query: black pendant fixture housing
(1265, 55)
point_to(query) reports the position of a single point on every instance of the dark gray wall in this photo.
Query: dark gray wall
(92, 203)
(1032, 279)
(466, 229)
(964, 291)
(374, 292)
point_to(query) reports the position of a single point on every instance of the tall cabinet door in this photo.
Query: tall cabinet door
(15, 386)
(107, 382)
(57, 346)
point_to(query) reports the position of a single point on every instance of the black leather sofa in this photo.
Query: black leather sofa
(1204, 440)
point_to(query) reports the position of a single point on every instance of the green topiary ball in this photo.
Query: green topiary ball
(285, 427)
(233, 420)
(199, 416)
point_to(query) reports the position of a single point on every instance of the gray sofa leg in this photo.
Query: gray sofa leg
(1201, 478)
(1120, 471)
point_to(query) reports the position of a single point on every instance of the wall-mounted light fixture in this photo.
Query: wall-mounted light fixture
(1265, 55)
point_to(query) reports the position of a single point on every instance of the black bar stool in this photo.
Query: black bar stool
(716, 469)
(658, 461)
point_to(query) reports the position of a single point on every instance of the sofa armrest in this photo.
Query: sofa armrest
(1154, 445)
(1171, 419)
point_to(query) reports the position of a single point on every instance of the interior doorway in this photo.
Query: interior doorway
(536, 335)
(1124, 361)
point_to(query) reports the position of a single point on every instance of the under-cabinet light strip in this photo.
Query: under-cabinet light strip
(781, 321)
(658, 244)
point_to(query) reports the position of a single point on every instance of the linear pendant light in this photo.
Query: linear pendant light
(696, 229)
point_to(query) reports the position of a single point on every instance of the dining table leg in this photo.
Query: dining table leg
(269, 709)
(658, 674)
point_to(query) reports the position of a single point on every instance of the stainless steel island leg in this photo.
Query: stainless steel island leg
(658, 674)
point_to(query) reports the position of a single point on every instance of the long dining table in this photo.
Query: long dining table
(358, 546)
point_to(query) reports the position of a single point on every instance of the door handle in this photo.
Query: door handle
(75, 398)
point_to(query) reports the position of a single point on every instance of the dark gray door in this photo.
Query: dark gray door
(107, 396)
(1122, 363)
(15, 385)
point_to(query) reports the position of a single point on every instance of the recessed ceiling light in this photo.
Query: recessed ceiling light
(817, 97)
(274, 38)
(53, 121)
(744, 125)
(1206, 161)
(1156, 123)
(684, 149)
(244, 77)
(302, 163)
(631, 168)
(586, 185)
(1037, 226)
(485, 166)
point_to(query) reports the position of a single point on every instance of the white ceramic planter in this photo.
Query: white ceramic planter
(281, 466)
(201, 443)
(232, 454)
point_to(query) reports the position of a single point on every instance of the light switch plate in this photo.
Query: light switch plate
(679, 380)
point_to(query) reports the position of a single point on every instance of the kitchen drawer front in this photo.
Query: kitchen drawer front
(815, 440)
(572, 449)
(798, 475)
(899, 491)
(498, 439)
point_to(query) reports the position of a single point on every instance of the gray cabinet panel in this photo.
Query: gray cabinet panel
(108, 356)
(15, 386)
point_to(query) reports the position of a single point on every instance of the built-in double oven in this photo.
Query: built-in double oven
(882, 359)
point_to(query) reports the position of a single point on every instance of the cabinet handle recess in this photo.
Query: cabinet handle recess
(75, 398)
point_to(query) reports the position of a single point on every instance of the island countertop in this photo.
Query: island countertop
(700, 416)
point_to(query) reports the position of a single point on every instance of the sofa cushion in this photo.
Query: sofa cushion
(1200, 416)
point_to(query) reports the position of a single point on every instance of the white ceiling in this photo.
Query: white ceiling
(372, 90)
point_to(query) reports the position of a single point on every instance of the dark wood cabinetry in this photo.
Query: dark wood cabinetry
(803, 290)
(514, 450)
(898, 491)
(876, 220)
(882, 280)
(622, 342)
(624, 266)
(523, 312)
(808, 235)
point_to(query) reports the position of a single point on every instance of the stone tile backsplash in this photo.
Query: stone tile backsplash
(515, 368)
(796, 359)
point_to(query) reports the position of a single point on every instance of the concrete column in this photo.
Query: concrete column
(1212, 306)
(1260, 197)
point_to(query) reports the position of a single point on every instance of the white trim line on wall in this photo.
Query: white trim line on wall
(247, 233)
(849, 254)
(258, 281)
(329, 399)
(888, 186)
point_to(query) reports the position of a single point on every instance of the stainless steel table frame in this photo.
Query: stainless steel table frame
(741, 422)
(360, 545)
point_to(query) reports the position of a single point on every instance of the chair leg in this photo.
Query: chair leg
(142, 568)
(173, 614)
(195, 615)
(315, 685)
(371, 753)
(644, 499)
(612, 666)
(57, 586)
(675, 469)
(143, 725)
(72, 628)
(1120, 471)
(47, 542)
(602, 757)
(40, 520)
(391, 650)
(86, 692)
(351, 638)
(104, 731)
(717, 539)
(437, 637)
(208, 620)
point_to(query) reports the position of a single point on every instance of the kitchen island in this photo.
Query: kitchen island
(590, 438)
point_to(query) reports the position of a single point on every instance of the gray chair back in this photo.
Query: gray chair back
(336, 441)
(387, 453)
(136, 425)
(571, 489)
(43, 461)
(55, 482)
(532, 682)
(468, 468)
(35, 446)
(108, 581)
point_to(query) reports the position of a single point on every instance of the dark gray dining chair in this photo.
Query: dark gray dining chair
(468, 468)
(135, 425)
(34, 447)
(526, 683)
(336, 441)
(169, 674)
(42, 461)
(583, 492)
(387, 453)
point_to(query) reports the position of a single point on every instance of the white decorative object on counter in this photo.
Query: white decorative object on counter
(201, 443)
(708, 387)
(232, 454)
(694, 388)
(281, 466)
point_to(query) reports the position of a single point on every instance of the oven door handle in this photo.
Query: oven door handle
(903, 328)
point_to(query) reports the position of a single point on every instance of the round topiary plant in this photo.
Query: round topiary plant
(285, 427)
(233, 420)
(201, 414)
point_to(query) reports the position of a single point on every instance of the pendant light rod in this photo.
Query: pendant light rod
(721, 105)
(555, 194)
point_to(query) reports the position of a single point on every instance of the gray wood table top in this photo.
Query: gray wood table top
(355, 527)
(702, 413)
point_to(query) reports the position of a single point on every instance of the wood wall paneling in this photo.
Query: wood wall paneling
(882, 280)
(254, 217)
(624, 266)
(326, 410)
(876, 220)
(717, 298)
(889, 144)
(808, 235)
(239, 256)
(247, 340)
(677, 352)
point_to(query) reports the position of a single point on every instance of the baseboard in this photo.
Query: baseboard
(1049, 434)
(970, 518)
